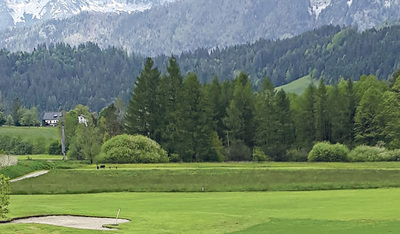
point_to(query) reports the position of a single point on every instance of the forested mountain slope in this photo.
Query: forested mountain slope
(61, 76)
(330, 52)
(186, 25)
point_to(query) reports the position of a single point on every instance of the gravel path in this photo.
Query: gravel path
(80, 222)
(35, 174)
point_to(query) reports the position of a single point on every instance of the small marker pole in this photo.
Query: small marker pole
(116, 219)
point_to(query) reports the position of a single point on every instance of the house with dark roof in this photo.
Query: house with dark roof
(51, 118)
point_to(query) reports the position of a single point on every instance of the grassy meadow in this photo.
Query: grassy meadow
(49, 134)
(335, 211)
(298, 86)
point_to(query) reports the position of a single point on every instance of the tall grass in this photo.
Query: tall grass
(213, 180)
(28, 166)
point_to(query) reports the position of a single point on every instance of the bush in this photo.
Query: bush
(238, 151)
(295, 155)
(326, 152)
(133, 149)
(259, 155)
(364, 153)
(55, 148)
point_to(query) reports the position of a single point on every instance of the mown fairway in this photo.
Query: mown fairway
(339, 211)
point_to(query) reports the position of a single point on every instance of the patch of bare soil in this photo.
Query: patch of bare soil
(81, 222)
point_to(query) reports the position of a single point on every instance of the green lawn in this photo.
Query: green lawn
(338, 211)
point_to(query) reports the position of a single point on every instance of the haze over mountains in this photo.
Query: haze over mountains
(181, 26)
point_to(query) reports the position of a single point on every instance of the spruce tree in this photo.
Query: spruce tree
(194, 133)
(142, 116)
(240, 113)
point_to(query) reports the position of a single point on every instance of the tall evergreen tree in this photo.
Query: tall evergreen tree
(368, 125)
(194, 133)
(304, 118)
(218, 107)
(285, 126)
(240, 113)
(266, 118)
(142, 116)
(170, 98)
(322, 125)
(15, 111)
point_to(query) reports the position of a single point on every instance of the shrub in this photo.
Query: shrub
(39, 145)
(326, 152)
(133, 149)
(364, 153)
(55, 148)
(259, 155)
(238, 151)
(174, 158)
(295, 155)
(394, 155)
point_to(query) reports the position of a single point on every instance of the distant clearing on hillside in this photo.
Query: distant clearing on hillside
(298, 86)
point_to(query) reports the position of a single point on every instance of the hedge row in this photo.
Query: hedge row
(326, 152)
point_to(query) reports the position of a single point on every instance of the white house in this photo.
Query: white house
(82, 119)
(51, 118)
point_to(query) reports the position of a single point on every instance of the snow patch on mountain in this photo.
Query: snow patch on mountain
(23, 11)
(317, 6)
(349, 3)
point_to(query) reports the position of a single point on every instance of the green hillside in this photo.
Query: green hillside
(298, 86)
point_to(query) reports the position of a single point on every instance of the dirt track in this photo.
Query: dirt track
(35, 174)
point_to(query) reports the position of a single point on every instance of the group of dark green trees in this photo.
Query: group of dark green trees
(230, 121)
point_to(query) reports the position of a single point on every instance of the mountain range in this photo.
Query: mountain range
(151, 27)
(16, 13)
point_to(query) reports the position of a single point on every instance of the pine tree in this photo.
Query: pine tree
(304, 107)
(368, 125)
(142, 116)
(322, 125)
(266, 118)
(285, 126)
(193, 137)
(240, 113)
(171, 88)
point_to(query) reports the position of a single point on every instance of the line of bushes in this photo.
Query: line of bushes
(326, 152)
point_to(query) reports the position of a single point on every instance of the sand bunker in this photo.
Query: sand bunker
(81, 222)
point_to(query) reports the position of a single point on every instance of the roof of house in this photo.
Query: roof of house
(52, 115)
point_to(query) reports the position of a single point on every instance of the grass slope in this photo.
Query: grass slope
(298, 86)
(213, 179)
(31, 133)
(338, 211)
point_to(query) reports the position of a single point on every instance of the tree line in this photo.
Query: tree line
(57, 77)
(230, 121)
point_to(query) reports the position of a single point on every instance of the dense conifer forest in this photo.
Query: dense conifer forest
(58, 76)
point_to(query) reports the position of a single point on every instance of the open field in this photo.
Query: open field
(188, 178)
(31, 133)
(338, 211)
(40, 157)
